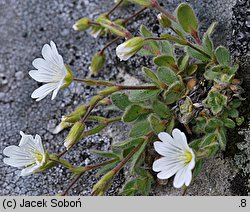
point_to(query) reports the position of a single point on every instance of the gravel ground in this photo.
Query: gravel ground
(25, 26)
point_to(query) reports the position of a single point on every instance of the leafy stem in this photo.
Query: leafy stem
(84, 169)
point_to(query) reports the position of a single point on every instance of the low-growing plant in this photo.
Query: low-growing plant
(192, 95)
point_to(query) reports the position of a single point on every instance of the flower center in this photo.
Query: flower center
(187, 156)
(39, 157)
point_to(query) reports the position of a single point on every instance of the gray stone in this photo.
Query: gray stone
(25, 26)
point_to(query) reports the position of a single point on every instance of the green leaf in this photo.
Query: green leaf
(137, 156)
(211, 75)
(143, 95)
(233, 113)
(240, 120)
(196, 54)
(156, 123)
(130, 188)
(174, 92)
(165, 60)
(208, 139)
(150, 45)
(207, 41)
(140, 129)
(132, 113)
(216, 101)
(229, 123)
(166, 75)
(233, 70)
(106, 168)
(167, 48)
(211, 28)
(191, 69)
(195, 144)
(187, 19)
(222, 139)
(162, 109)
(235, 103)
(170, 126)
(105, 154)
(212, 149)
(127, 144)
(120, 100)
(222, 55)
(212, 124)
(197, 168)
(151, 75)
(183, 62)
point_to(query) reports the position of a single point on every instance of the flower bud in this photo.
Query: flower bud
(63, 125)
(69, 77)
(115, 28)
(127, 49)
(97, 62)
(74, 134)
(82, 24)
(103, 184)
(95, 31)
(163, 20)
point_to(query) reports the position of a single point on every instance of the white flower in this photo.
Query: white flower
(178, 158)
(50, 70)
(29, 155)
(127, 49)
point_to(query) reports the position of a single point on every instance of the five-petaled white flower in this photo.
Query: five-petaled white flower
(29, 155)
(178, 158)
(50, 70)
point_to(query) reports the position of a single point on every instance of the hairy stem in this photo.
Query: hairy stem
(86, 168)
(114, 8)
(158, 7)
(109, 44)
(134, 15)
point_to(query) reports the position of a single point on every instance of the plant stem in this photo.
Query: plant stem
(109, 44)
(116, 169)
(71, 184)
(158, 7)
(114, 8)
(187, 44)
(127, 87)
(120, 87)
(87, 168)
(94, 23)
(93, 82)
(126, 159)
(62, 162)
(199, 50)
(134, 15)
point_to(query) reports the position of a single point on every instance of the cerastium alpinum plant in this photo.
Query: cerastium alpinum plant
(178, 119)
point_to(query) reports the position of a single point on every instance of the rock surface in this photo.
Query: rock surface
(25, 26)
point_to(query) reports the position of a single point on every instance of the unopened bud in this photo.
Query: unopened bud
(127, 49)
(163, 20)
(103, 184)
(97, 62)
(115, 28)
(74, 134)
(82, 24)
(63, 125)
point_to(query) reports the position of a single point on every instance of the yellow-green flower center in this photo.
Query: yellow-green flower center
(187, 157)
(39, 157)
